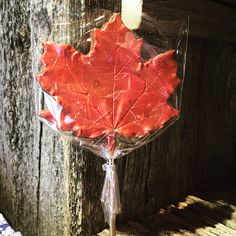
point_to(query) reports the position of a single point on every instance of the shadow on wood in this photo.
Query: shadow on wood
(212, 211)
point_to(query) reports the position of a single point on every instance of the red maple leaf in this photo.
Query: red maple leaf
(109, 90)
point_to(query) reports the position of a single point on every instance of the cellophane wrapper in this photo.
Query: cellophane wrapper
(110, 90)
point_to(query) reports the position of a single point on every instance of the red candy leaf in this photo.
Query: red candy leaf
(109, 90)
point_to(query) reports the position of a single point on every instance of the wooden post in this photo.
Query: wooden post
(82, 214)
(19, 130)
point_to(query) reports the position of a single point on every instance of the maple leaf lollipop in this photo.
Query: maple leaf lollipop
(108, 96)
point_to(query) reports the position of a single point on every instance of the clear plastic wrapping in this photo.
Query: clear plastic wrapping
(115, 89)
(110, 197)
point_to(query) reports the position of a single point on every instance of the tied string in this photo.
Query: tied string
(110, 193)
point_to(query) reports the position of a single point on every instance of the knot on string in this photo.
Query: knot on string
(109, 167)
(110, 194)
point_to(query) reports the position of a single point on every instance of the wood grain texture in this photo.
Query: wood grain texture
(210, 211)
(47, 188)
(199, 146)
(84, 215)
(78, 210)
(51, 195)
(19, 130)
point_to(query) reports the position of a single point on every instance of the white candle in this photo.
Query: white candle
(131, 13)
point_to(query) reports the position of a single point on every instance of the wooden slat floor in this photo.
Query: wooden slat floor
(211, 211)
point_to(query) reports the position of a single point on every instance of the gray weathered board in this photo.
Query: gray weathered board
(47, 189)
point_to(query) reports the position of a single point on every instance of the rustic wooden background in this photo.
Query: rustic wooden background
(49, 188)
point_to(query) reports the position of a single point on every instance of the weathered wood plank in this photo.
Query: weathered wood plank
(176, 162)
(19, 130)
(82, 213)
(47, 23)
(192, 216)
